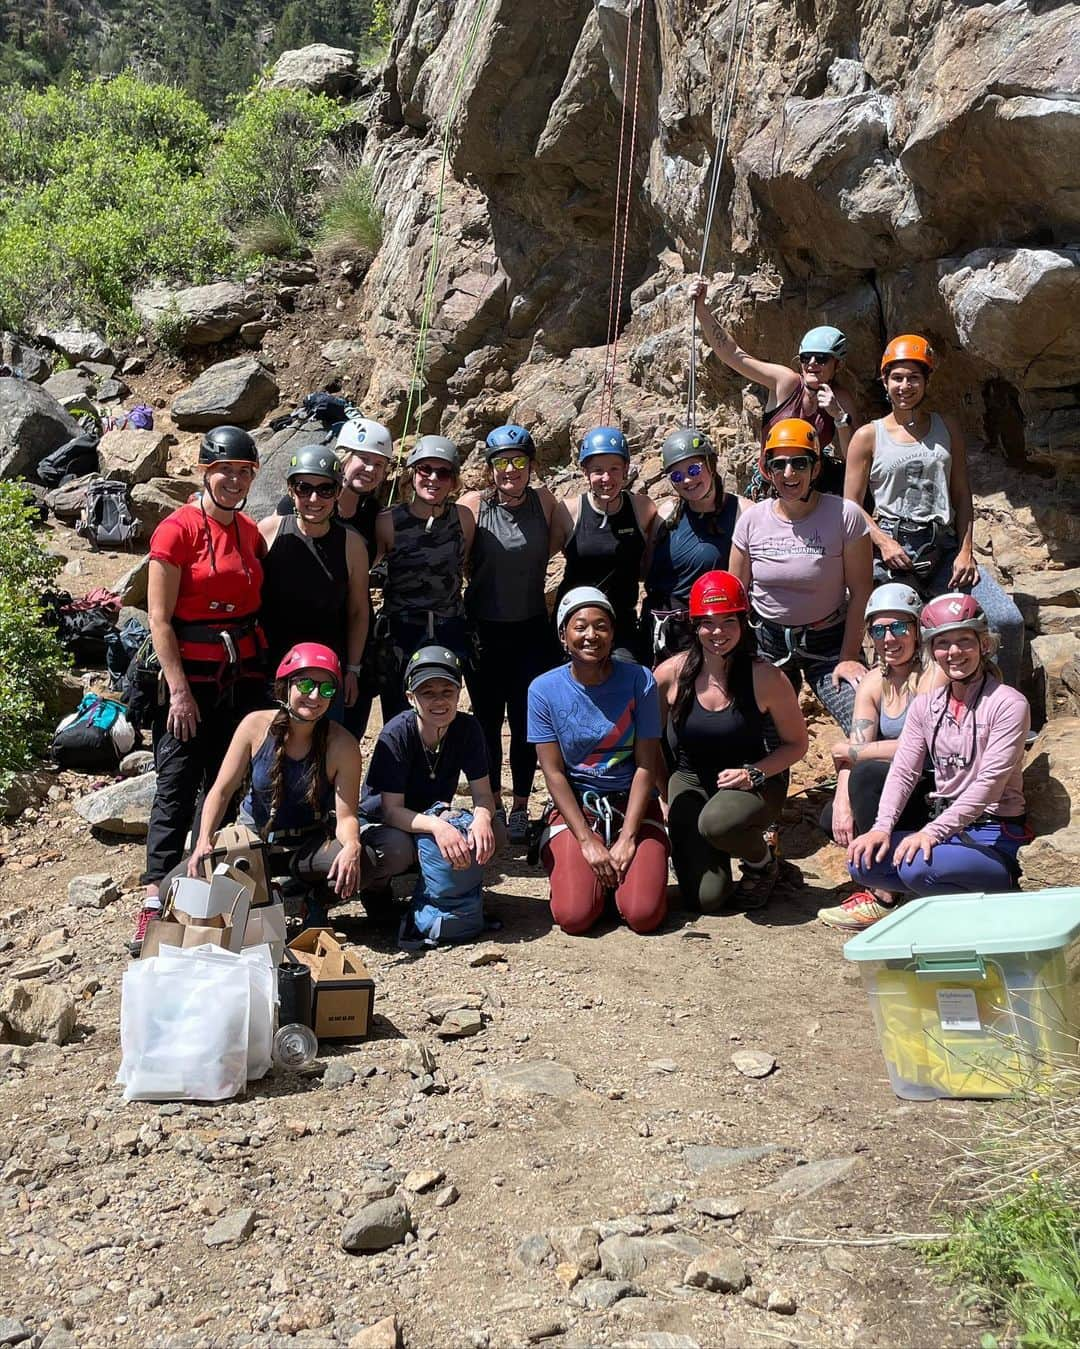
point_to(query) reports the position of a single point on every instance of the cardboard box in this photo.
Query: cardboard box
(242, 849)
(266, 924)
(342, 990)
(196, 913)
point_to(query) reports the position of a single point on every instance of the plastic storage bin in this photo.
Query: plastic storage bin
(972, 993)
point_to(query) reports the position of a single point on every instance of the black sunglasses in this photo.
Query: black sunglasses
(439, 471)
(814, 358)
(323, 490)
(799, 463)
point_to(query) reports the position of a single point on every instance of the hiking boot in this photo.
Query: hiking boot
(517, 826)
(146, 916)
(860, 910)
(755, 886)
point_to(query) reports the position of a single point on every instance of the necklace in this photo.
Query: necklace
(431, 755)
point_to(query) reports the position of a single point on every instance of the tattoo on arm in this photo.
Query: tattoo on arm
(853, 754)
(860, 730)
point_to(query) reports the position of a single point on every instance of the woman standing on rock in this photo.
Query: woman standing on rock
(205, 586)
(315, 583)
(692, 537)
(506, 606)
(972, 732)
(304, 773)
(805, 560)
(810, 396)
(734, 729)
(882, 702)
(596, 726)
(914, 461)
(604, 533)
(425, 543)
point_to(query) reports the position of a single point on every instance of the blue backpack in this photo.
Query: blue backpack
(447, 904)
(95, 737)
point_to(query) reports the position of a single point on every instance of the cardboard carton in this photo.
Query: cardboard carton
(266, 924)
(242, 849)
(196, 913)
(342, 990)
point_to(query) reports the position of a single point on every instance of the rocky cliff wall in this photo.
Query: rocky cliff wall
(893, 167)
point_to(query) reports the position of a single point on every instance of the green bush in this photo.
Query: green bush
(31, 656)
(351, 216)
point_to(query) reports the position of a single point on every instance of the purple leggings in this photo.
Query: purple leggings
(982, 858)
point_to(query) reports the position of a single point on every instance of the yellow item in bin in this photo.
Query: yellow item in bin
(973, 995)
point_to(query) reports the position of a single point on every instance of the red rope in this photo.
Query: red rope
(617, 296)
(613, 319)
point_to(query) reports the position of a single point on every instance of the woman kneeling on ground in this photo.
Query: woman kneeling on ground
(806, 561)
(973, 732)
(734, 729)
(305, 782)
(596, 726)
(882, 702)
(417, 763)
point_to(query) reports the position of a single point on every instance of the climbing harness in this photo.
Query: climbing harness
(727, 107)
(416, 381)
(623, 199)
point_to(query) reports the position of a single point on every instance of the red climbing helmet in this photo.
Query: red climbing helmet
(952, 613)
(309, 656)
(717, 592)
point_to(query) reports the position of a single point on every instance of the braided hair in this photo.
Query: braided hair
(317, 780)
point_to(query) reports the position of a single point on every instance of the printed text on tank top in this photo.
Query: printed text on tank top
(910, 471)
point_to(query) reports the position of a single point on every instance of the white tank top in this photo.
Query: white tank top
(911, 482)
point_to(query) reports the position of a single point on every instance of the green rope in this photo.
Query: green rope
(416, 381)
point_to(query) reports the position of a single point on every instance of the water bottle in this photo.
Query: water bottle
(295, 1046)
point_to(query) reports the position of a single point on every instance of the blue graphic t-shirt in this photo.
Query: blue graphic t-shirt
(596, 727)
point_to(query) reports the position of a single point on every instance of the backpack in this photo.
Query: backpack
(107, 520)
(73, 459)
(140, 418)
(122, 645)
(83, 625)
(95, 737)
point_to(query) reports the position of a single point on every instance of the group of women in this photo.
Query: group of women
(671, 724)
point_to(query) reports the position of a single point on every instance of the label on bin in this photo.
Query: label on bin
(958, 1009)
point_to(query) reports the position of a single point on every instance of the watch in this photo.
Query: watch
(354, 669)
(844, 420)
(757, 777)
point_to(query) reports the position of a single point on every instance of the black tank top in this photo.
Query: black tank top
(708, 742)
(606, 551)
(305, 592)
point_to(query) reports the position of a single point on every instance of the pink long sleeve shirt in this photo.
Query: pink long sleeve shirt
(977, 760)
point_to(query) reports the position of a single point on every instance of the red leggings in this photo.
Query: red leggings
(577, 897)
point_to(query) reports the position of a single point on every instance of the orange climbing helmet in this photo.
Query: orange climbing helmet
(791, 435)
(908, 347)
(715, 593)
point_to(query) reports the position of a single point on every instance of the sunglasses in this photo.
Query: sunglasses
(799, 463)
(325, 688)
(694, 471)
(439, 471)
(519, 461)
(813, 358)
(900, 627)
(325, 491)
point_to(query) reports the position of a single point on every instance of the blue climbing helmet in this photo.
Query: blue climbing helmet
(824, 341)
(509, 437)
(603, 440)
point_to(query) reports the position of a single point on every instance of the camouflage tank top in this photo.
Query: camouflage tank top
(425, 567)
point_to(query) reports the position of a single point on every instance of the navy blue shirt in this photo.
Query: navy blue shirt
(400, 762)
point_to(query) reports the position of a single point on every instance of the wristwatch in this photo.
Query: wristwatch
(354, 669)
(757, 777)
(844, 419)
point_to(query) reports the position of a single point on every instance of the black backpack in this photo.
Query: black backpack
(107, 521)
(73, 459)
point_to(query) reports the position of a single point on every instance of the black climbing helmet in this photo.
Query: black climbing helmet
(432, 662)
(228, 445)
(314, 461)
(685, 443)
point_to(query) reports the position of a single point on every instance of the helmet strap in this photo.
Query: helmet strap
(229, 510)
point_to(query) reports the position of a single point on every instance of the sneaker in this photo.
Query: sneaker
(517, 826)
(146, 917)
(860, 910)
(755, 886)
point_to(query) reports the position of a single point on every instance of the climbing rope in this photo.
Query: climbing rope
(416, 381)
(623, 204)
(727, 107)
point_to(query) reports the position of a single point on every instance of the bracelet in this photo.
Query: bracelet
(845, 420)
(354, 669)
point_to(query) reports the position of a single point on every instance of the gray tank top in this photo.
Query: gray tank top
(911, 482)
(509, 562)
(889, 728)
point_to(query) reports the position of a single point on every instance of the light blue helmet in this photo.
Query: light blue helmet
(509, 437)
(824, 341)
(603, 440)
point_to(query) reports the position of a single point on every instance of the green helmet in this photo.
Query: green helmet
(314, 461)
(685, 443)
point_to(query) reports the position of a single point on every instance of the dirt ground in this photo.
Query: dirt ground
(106, 1204)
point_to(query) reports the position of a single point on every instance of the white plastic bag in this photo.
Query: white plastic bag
(184, 1025)
(263, 976)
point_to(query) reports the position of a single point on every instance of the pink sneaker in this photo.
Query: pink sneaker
(147, 915)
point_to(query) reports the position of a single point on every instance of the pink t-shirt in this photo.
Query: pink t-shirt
(797, 566)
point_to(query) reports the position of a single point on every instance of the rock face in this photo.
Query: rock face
(1052, 791)
(319, 69)
(199, 315)
(32, 423)
(236, 393)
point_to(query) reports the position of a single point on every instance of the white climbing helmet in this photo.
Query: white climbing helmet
(365, 435)
(894, 598)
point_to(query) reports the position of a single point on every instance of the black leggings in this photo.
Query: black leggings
(865, 785)
(511, 656)
(707, 831)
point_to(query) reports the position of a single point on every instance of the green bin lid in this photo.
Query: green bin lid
(986, 925)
